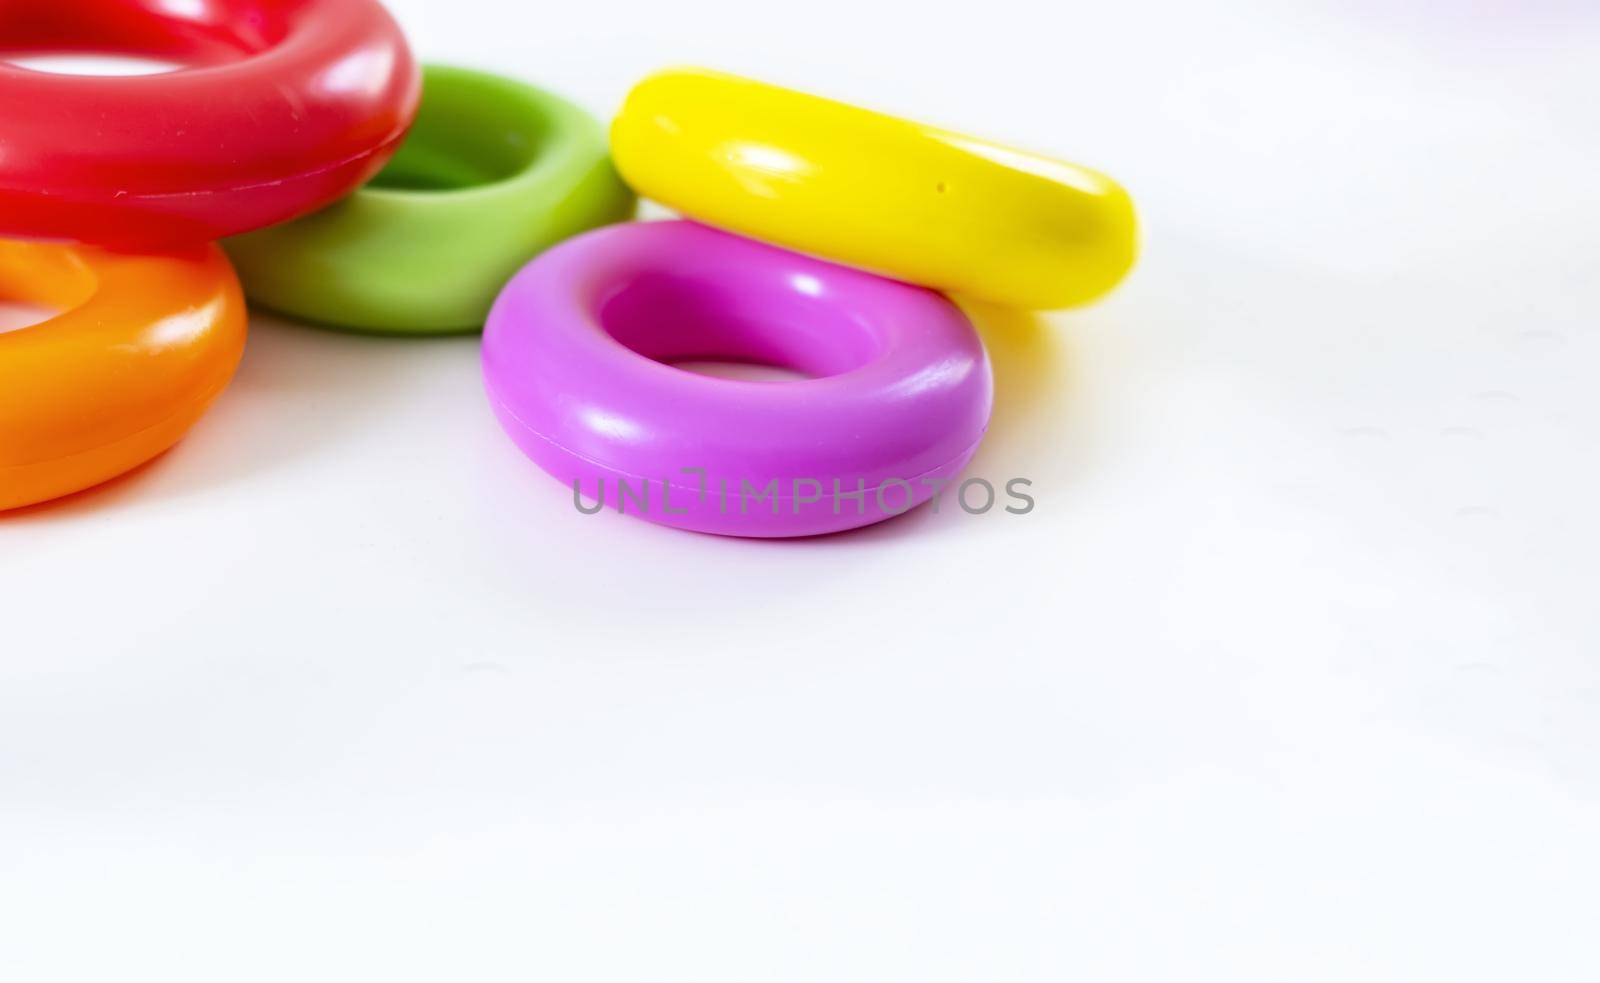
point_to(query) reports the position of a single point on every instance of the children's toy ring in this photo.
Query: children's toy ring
(493, 172)
(282, 107)
(577, 354)
(144, 344)
(910, 201)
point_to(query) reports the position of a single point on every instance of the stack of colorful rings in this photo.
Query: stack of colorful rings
(112, 189)
(578, 352)
(356, 191)
(494, 172)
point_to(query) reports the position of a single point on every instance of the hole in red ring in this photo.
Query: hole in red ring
(96, 64)
(95, 37)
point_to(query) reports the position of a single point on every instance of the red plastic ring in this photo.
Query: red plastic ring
(282, 107)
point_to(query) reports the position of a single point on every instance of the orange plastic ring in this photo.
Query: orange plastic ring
(144, 343)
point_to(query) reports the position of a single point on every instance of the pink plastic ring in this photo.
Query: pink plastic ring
(577, 353)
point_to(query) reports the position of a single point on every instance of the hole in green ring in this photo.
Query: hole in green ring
(469, 132)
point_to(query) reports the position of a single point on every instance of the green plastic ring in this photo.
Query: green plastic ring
(493, 172)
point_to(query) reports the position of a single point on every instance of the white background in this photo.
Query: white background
(1293, 674)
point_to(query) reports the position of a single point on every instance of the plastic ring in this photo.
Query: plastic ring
(576, 360)
(144, 345)
(909, 201)
(493, 173)
(284, 106)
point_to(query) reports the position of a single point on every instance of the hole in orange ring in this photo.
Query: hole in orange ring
(15, 316)
(40, 280)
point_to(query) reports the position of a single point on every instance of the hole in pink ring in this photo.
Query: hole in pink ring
(741, 371)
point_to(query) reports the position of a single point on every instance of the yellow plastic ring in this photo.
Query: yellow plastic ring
(906, 200)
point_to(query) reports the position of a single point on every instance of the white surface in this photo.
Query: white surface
(1294, 673)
